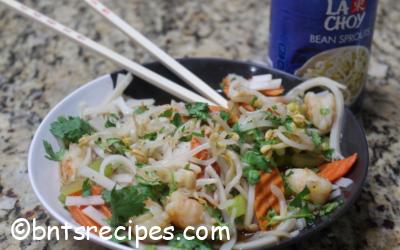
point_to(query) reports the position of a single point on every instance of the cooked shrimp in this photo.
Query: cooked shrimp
(155, 216)
(319, 187)
(184, 211)
(67, 170)
(182, 177)
(185, 178)
(320, 109)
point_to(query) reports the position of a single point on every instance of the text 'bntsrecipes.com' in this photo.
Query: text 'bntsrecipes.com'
(22, 229)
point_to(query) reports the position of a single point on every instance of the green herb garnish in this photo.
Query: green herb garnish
(324, 111)
(50, 154)
(150, 136)
(111, 121)
(198, 110)
(224, 115)
(86, 188)
(70, 129)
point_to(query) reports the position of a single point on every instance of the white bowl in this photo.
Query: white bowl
(43, 173)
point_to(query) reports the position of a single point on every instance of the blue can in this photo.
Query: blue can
(329, 38)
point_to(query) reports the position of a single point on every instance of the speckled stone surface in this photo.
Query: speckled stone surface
(38, 68)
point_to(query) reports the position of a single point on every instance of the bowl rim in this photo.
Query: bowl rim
(304, 234)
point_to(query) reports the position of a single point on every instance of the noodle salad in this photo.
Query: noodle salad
(267, 167)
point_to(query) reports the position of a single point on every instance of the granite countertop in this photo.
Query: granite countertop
(38, 68)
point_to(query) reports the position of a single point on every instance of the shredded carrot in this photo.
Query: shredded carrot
(96, 190)
(194, 143)
(336, 169)
(264, 198)
(272, 92)
(248, 107)
(77, 193)
(225, 83)
(214, 108)
(82, 219)
(105, 210)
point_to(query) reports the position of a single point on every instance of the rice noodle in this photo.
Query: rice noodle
(292, 143)
(238, 167)
(96, 177)
(335, 193)
(333, 86)
(265, 85)
(84, 201)
(233, 233)
(121, 104)
(205, 181)
(199, 148)
(87, 158)
(281, 198)
(261, 78)
(287, 225)
(210, 161)
(248, 218)
(95, 215)
(116, 161)
(301, 223)
(344, 182)
(122, 83)
(265, 241)
(122, 178)
(258, 124)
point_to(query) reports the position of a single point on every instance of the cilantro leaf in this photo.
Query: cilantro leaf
(273, 218)
(198, 110)
(177, 120)
(299, 199)
(116, 146)
(111, 121)
(252, 175)
(106, 195)
(316, 138)
(50, 154)
(328, 153)
(150, 136)
(257, 161)
(186, 138)
(180, 242)
(70, 129)
(167, 113)
(154, 191)
(125, 203)
(224, 115)
(215, 213)
(328, 208)
(86, 188)
(288, 124)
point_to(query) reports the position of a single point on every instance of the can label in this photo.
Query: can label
(328, 38)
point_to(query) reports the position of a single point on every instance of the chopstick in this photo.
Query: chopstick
(161, 55)
(137, 69)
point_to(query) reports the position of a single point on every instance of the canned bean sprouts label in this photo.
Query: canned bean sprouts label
(329, 38)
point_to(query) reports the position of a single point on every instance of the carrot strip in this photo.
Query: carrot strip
(96, 190)
(82, 219)
(248, 107)
(194, 143)
(336, 169)
(264, 198)
(105, 210)
(214, 108)
(272, 92)
(225, 83)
